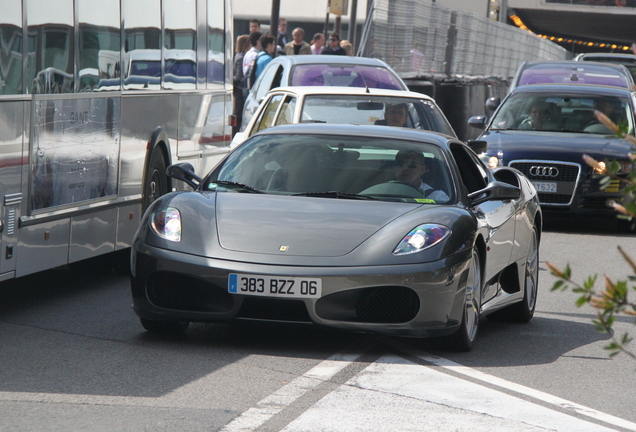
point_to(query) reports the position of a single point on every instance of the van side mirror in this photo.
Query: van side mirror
(478, 122)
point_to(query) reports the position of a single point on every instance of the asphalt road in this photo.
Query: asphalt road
(73, 357)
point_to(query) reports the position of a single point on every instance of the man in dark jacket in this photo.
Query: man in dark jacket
(334, 47)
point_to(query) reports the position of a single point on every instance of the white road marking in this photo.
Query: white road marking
(518, 388)
(273, 404)
(395, 394)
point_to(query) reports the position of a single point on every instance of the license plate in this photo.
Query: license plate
(274, 286)
(549, 187)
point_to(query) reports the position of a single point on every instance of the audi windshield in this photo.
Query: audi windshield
(554, 112)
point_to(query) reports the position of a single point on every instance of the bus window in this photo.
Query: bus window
(216, 43)
(99, 45)
(180, 55)
(142, 46)
(50, 47)
(11, 38)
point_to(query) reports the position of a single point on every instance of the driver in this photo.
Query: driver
(394, 115)
(410, 166)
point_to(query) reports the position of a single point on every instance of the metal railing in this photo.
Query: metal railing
(419, 38)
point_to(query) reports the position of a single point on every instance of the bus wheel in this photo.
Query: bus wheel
(156, 182)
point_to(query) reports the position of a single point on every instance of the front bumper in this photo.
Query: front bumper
(417, 300)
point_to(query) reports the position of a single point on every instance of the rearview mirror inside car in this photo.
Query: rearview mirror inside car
(370, 106)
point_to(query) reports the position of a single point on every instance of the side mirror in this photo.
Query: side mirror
(478, 146)
(495, 191)
(492, 103)
(478, 122)
(185, 172)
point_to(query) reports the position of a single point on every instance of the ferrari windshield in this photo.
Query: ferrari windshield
(562, 113)
(378, 110)
(345, 76)
(337, 167)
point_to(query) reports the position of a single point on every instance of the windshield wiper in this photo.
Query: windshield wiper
(236, 185)
(335, 194)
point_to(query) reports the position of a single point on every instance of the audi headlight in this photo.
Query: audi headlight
(422, 237)
(166, 223)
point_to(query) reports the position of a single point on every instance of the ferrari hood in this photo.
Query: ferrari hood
(554, 145)
(299, 226)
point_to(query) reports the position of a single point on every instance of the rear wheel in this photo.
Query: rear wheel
(157, 326)
(464, 338)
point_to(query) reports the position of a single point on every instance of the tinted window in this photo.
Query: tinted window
(345, 76)
(216, 43)
(180, 60)
(51, 46)
(584, 74)
(11, 53)
(142, 56)
(562, 112)
(99, 45)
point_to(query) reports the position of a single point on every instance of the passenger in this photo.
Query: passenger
(394, 115)
(606, 106)
(410, 167)
(537, 117)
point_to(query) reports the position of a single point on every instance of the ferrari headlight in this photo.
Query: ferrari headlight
(422, 237)
(166, 223)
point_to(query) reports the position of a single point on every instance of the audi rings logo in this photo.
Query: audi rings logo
(544, 171)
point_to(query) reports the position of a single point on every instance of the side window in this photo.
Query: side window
(99, 45)
(11, 43)
(50, 48)
(473, 173)
(179, 44)
(264, 83)
(142, 45)
(266, 117)
(286, 115)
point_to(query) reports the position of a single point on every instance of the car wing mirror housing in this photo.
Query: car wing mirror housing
(495, 191)
(478, 146)
(478, 122)
(492, 103)
(185, 172)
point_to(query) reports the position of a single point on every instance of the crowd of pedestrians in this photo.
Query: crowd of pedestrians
(256, 49)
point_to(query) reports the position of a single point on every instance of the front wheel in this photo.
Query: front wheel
(156, 182)
(464, 338)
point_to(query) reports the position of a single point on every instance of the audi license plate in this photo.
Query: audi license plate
(546, 187)
(274, 286)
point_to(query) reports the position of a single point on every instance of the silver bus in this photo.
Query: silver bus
(97, 98)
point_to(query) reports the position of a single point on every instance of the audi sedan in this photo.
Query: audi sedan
(544, 131)
(363, 228)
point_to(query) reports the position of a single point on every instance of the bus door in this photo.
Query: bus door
(14, 119)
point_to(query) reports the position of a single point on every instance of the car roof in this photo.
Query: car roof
(361, 131)
(574, 88)
(330, 59)
(345, 91)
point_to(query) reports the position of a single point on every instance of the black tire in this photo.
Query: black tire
(157, 326)
(464, 338)
(523, 311)
(156, 181)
